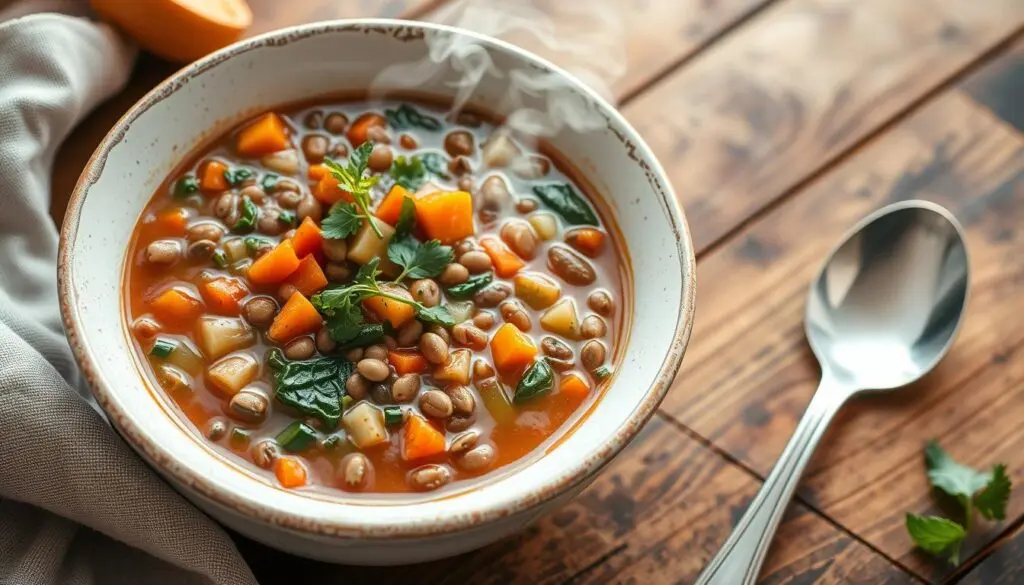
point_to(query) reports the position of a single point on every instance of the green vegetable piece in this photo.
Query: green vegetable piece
(342, 221)
(268, 181)
(333, 441)
(406, 219)
(418, 260)
(185, 186)
(312, 387)
(220, 258)
(412, 172)
(436, 164)
(347, 402)
(254, 244)
(937, 536)
(352, 179)
(367, 334)
(287, 216)
(235, 177)
(163, 348)
(437, 315)
(538, 380)
(392, 416)
(240, 437)
(565, 201)
(247, 222)
(473, 285)
(602, 372)
(405, 117)
(296, 436)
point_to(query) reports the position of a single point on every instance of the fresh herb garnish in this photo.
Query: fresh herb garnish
(984, 492)
(472, 285)
(538, 379)
(418, 260)
(562, 198)
(185, 186)
(369, 334)
(405, 117)
(437, 315)
(254, 244)
(247, 221)
(435, 164)
(342, 305)
(268, 181)
(341, 222)
(312, 387)
(235, 177)
(220, 258)
(287, 216)
(163, 348)
(350, 178)
(412, 172)
(406, 219)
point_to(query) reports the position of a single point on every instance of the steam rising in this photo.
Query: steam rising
(584, 38)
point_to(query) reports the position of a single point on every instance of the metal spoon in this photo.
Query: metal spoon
(882, 312)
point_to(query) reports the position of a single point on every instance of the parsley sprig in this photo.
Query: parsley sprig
(342, 305)
(417, 260)
(344, 219)
(986, 493)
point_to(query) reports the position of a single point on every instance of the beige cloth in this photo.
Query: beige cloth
(77, 506)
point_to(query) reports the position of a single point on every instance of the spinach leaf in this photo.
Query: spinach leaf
(405, 117)
(472, 285)
(435, 164)
(412, 172)
(247, 221)
(437, 315)
(539, 379)
(268, 181)
(368, 334)
(235, 177)
(312, 387)
(185, 186)
(562, 198)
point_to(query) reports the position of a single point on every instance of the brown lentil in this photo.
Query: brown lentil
(570, 266)
(373, 370)
(470, 336)
(514, 313)
(440, 332)
(380, 158)
(409, 333)
(482, 369)
(264, 453)
(453, 274)
(216, 429)
(434, 348)
(459, 142)
(478, 458)
(357, 386)
(336, 123)
(336, 250)
(460, 422)
(314, 147)
(377, 351)
(492, 295)
(163, 252)
(484, 320)
(601, 302)
(463, 401)
(476, 261)
(145, 328)
(205, 230)
(260, 311)
(309, 207)
(313, 120)
(464, 441)
(526, 205)
(337, 271)
(426, 292)
(249, 406)
(201, 250)
(407, 141)
(299, 349)
(285, 292)
(406, 387)
(436, 404)
(325, 344)
(592, 355)
(556, 348)
(354, 355)
(593, 327)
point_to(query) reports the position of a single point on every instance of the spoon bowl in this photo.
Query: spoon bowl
(889, 300)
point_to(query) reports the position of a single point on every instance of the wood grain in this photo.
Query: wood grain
(796, 86)
(655, 516)
(1005, 566)
(748, 374)
(1000, 86)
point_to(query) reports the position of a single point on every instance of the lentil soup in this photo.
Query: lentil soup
(375, 299)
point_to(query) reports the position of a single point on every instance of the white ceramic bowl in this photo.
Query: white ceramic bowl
(324, 58)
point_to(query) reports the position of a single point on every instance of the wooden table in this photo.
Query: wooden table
(780, 123)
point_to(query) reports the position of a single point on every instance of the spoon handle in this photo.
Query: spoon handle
(739, 560)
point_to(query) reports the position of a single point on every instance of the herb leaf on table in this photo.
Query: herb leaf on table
(937, 536)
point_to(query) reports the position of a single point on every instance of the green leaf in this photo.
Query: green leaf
(350, 178)
(312, 387)
(472, 285)
(268, 181)
(409, 172)
(564, 200)
(185, 186)
(405, 117)
(342, 221)
(419, 260)
(538, 380)
(369, 333)
(436, 164)
(235, 177)
(991, 502)
(247, 221)
(437, 315)
(937, 536)
(406, 219)
(367, 274)
(955, 479)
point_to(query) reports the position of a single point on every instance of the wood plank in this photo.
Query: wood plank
(748, 374)
(656, 515)
(626, 44)
(1005, 566)
(1000, 86)
(798, 85)
(149, 71)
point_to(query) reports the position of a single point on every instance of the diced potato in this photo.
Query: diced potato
(220, 336)
(461, 310)
(562, 319)
(364, 423)
(187, 357)
(232, 373)
(499, 150)
(538, 291)
(171, 379)
(366, 245)
(545, 224)
(285, 162)
(456, 369)
(235, 249)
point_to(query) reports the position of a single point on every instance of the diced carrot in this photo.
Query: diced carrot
(297, 317)
(176, 305)
(266, 135)
(420, 439)
(317, 172)
(211, 176)
(308, 238)
(407, 362)
(511, 348)
(290, 472)
(396, 312)
(390, 207)
(446, 215)
(223, 293)
(276, 265)
(506, 263)
(308, 278)
(574, 386)
(328, 193)
(590, 241)
(357, 132)
(171, 222)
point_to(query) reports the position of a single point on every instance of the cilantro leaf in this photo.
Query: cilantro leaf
(234, 177)
(409, 172)
(437, 315)
(341, 222)
(991, 502)
(368, 272)
(419, 260)
(406, 219)
(955, 479)
(937, 536)
(351, 179)
(312, 387)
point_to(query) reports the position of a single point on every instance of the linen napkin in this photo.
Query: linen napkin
(77, 506)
